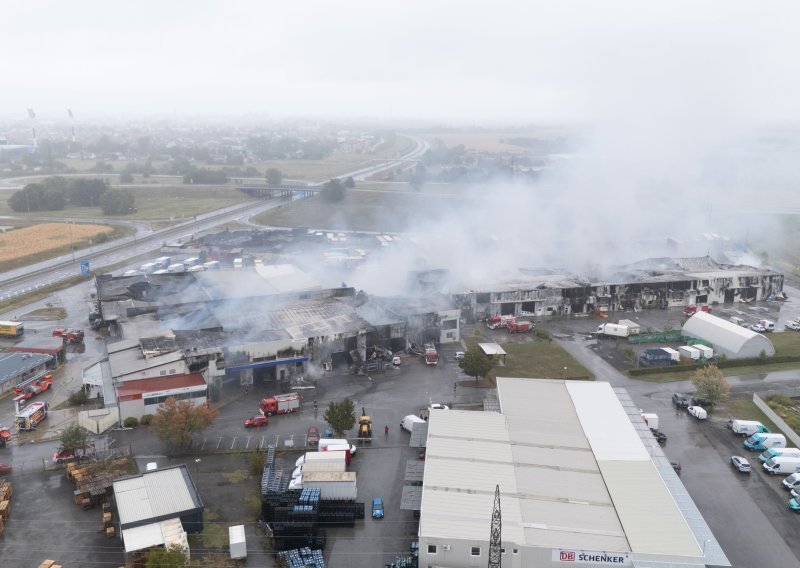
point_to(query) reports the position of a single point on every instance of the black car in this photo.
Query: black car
(681, 400)
(661, 438)
(698, 401)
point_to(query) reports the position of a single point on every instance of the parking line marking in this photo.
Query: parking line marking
(233, 443)
(247, 445)
(219, 443)
(203, 447)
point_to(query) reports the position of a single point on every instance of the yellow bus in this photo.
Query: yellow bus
(11, 328)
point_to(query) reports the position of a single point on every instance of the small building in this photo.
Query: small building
(137, 398)
(493, 350)
(158, 508)
(16, 368)
(727, 338)
(53, 346)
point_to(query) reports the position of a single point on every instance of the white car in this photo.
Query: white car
(437, 406)
(757, 327)
(459, 355)
(698, 412)
(396, 361)
(793, 325)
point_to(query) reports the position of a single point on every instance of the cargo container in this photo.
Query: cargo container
(177, 267)
(238, 263)
(338, 485)
(164, 261)
(705, 352)
(189, 262)
(211, 265)
(633, 327)
(688, 352)
(196, 268)
(614, 330)
(655, 358)
(238, 542)
(673, 353)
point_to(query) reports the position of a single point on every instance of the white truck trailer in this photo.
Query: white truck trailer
(333, 485)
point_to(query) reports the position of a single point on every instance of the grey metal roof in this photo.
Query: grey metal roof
(16, 363)
(155, 495)
(419, 435)
(128, 360)
(415, 469)
(411, 500)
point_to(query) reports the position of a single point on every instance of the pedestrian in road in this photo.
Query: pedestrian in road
(386, 430)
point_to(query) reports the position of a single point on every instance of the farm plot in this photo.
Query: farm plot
(39, 239)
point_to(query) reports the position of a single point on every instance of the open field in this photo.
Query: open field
(152, 203)
(24, 246)
(367, 211)
(491, 141)
(538, 359)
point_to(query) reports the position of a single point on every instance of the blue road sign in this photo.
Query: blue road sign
(85, 267)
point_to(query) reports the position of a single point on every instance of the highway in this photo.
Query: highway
(19, 282)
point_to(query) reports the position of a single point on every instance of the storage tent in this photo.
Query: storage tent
(727, 338)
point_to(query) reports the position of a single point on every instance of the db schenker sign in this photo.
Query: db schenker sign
(591, 557)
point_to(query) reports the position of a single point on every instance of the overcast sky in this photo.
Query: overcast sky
(459, 61)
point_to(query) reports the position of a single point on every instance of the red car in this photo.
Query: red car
(64, 456)
(313, 436)
(256, 421)
(5, 468)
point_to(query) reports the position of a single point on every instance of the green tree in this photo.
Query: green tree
(118, 202)
(710, 384)
(419, 177)
(333, 191)
(476, 364)
(341, 416)
(74, 437)
(86, 192)
(175, 421)
(274, 176)
(161, 557)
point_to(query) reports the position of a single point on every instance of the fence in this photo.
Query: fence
(667, 337)
(779, 422)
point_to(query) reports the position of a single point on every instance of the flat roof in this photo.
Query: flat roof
(492, 348)
(42, 343)
(14, 364)
(155, 495)
(572, 470)
(126, 358)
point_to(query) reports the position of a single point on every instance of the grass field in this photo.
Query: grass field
(152, 203)
(743, 408)
(491, 141)
(368, 211)
(34, 243)
(539, 359)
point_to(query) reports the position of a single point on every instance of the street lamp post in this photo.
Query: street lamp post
(197, 473)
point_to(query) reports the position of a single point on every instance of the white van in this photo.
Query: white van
(782, 465)
(408, 422)
(768, 325)
(738, 321)
(792, 481)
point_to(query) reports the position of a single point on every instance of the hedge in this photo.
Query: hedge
(725, 364)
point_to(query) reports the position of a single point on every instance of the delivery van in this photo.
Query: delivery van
(768, 325)
(408, 422)
(759, 442)
(782, 465)
(792, 481)
(738, 321)
(747, 427)
(775, 452)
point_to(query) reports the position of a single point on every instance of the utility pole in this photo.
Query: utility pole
(495, 534)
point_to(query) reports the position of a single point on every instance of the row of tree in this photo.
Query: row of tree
(54, 193)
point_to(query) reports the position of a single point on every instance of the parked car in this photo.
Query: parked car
(312, 437)
(793, 325)
(661, 438)
(740, 464)
(698, 412)
(437, 406)
(5, 468)
(459, 355)
(377, 508)
(256, 421)
(704, 402)
(676, 466)
(396, 361)
(757, 327)
(64, 456)
(681, 400)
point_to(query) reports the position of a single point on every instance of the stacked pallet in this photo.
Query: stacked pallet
(5, 504)
(93, 481)
(49, 564)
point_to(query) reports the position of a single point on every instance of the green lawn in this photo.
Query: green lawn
(744, 408)
(538, 359)
(152, 203)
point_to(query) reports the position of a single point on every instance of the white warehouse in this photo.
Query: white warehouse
(578, 486)
(727, 338)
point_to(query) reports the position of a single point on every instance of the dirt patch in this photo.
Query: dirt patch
(48, 313)
(46, 236)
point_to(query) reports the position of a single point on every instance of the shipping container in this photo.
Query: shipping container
(705, 352)
(689, 353)
(332, 484)
(238, 542)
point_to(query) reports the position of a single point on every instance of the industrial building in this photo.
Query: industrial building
(53, 346)
(727, 338)
(652, 283)
(158, 508)
(16, 368)
(581, 482)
